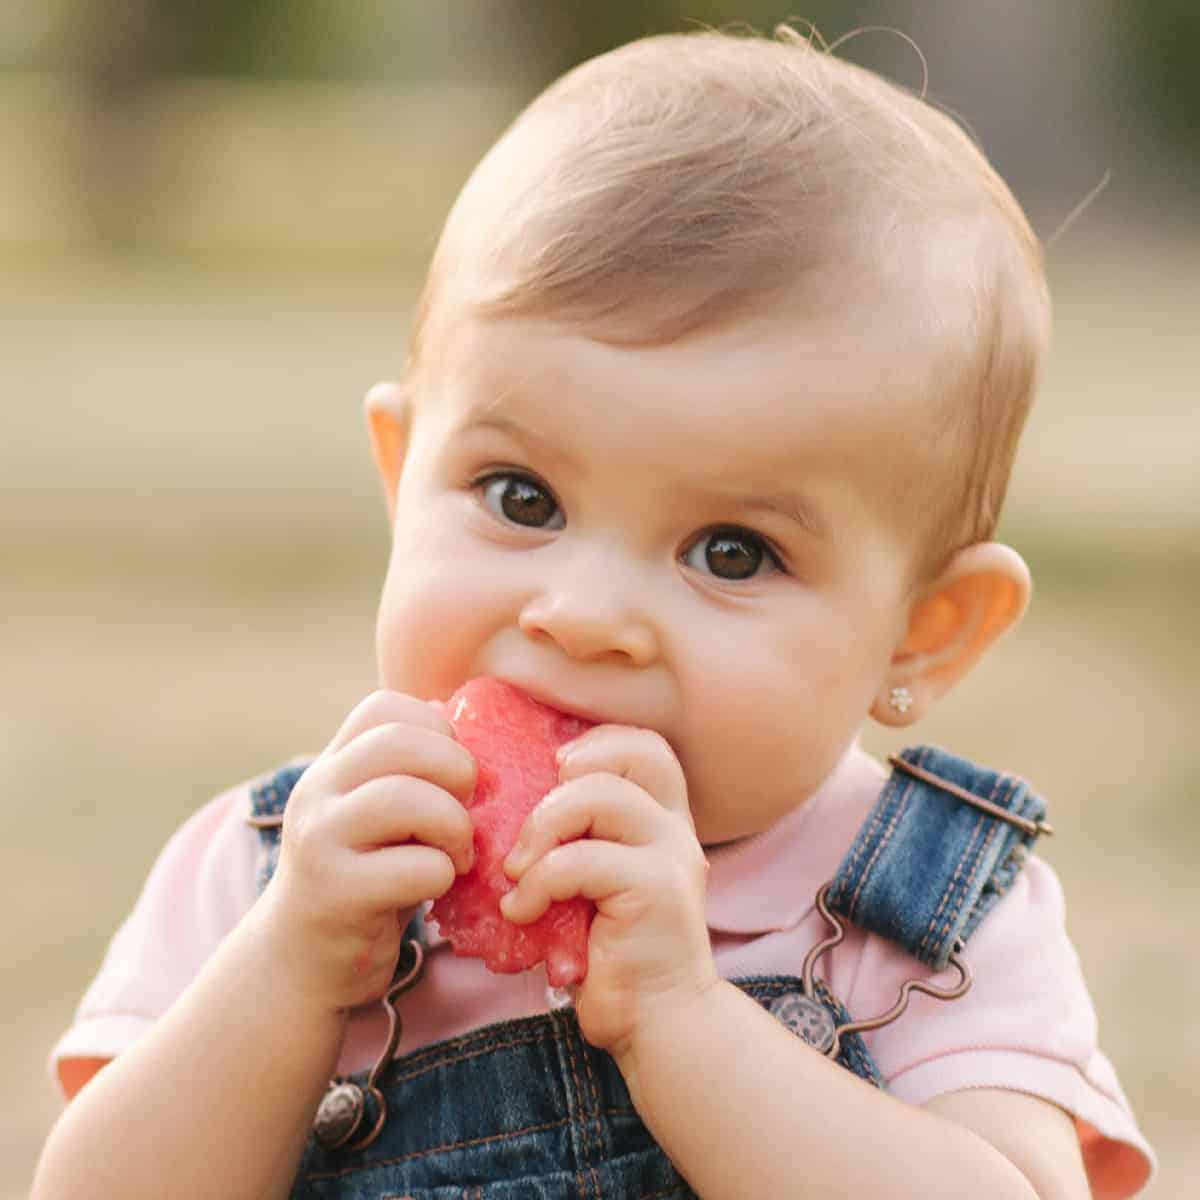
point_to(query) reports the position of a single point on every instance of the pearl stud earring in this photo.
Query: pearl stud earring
(900, 698)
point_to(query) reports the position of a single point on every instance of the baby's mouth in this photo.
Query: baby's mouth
(556, 701)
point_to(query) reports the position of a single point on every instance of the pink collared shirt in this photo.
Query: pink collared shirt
(1027, 1024)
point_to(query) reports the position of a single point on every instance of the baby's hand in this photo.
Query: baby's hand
(648, 947)
(373, 827)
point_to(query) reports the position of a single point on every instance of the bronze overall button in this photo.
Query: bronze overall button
(339, 1114)
(805, 1017)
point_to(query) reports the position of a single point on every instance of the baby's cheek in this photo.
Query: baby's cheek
(761, 744)
(428, 633)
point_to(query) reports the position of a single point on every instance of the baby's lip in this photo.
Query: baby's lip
(570, 708)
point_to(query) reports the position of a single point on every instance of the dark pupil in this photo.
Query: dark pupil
(526, 503)
(732, 557)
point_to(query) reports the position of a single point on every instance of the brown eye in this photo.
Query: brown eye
(733, 554)
(518, 499)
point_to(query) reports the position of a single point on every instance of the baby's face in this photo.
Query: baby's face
(696, 538)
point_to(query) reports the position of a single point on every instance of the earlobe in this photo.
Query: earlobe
(980, 595)
(389, 418)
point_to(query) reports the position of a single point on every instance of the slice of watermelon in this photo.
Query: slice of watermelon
(513, 739)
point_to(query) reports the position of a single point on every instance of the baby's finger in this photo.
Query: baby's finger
(388, 708)
(590, 868)
(400, 876)
(601, 805)
(394, 809)
(640, 755)
(403, 749)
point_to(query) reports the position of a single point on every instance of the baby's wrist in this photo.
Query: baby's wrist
(658, 1026)
(313, 995)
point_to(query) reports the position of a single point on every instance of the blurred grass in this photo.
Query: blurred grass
(192, 543)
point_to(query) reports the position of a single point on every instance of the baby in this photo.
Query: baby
(712, 400)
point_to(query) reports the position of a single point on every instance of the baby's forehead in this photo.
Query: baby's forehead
(763, 398)
(834, 331)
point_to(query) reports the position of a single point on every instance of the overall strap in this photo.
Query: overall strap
(944, 841)
(267, 802)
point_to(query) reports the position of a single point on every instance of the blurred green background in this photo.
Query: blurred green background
(213, 222)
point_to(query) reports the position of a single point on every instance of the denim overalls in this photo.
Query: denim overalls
(527, 1110)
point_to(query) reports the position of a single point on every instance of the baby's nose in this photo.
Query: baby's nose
(588, 621)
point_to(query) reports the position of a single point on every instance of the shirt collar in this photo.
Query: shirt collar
(769, 881)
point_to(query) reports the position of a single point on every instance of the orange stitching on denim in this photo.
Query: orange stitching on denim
(595, 1108)
(465, 1144)
(994, 832)
(949, 889)
(1012, 787)
(1000, 890)
(532, 1029)
(858, 846)
(565, 1041)
(952, 919)
(483, 1036)
(885, 837)
(451, 1059)
(961, 893)
(557, 1025)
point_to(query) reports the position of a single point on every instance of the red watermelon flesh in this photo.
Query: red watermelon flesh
(513, 739)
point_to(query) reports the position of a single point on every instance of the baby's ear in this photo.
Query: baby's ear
(982, 593)
(389, 419)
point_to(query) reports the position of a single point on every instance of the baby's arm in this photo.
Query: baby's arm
(214, 1100)
(740, 1104)
(744, 1108)
(217, 1099)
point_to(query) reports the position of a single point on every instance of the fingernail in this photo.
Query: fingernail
(506, 903)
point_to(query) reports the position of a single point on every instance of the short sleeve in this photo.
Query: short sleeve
(1027, 1025)
(199, 888)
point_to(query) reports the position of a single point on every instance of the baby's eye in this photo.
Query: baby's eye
(521, 500)
(731, 553)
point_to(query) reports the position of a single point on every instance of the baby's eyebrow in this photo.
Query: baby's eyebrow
(792, 508)
(488, 419)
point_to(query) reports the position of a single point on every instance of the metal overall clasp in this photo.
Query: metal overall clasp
(343, 1109)
(815, 1023)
